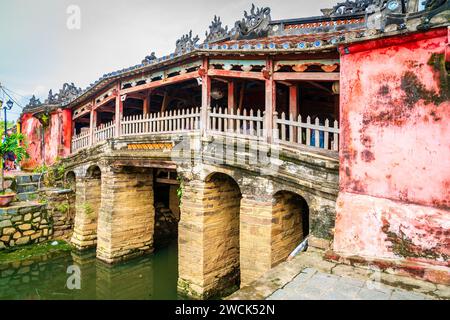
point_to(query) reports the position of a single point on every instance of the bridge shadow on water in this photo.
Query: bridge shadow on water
(152, 277)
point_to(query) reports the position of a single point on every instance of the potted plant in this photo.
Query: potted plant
(11, 145)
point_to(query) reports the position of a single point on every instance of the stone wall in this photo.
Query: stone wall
(61, 207)
(24, 224)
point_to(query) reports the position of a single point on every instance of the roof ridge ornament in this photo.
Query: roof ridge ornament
(216, 31)
(150, 59)
(350, 7)
(68, 91)
(186, 43)
(34, 102)
(253, 25)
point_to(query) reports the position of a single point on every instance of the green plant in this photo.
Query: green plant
(41, 169)
(88, 210)
(180, 189)
(63, 208)
(12, 144)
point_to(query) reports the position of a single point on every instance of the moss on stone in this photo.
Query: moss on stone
(32, 251)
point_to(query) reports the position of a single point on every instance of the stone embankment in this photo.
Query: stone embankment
(37, 216)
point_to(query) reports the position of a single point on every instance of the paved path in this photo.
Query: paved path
(312, 284)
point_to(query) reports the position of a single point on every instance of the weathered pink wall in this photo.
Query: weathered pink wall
(57, 138)
(31, 129)
(394, 197)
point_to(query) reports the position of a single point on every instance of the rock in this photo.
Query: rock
(29, 232)
(5, 223)
(27, 217)
(25, 226)
(23, 240)
(17, 235)
(8, 231)
(5, 238)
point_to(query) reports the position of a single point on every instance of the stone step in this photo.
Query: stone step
(28, 178)
(27, 196)
(27, 187)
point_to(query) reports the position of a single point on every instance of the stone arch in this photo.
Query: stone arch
(290, 224)
(87, 206)
(70, 180)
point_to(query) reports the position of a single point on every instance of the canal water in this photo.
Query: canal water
(57, 277)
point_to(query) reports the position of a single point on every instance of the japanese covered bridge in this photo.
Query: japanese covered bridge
(275, 130)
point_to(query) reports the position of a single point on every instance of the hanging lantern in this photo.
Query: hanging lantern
(335, 87)
(217, 94)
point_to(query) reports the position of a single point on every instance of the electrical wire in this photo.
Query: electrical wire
(13, 100)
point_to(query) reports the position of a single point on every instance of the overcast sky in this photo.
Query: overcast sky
(38, 52)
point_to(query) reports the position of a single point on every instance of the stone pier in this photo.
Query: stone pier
(127, 214)
(87, 205)
(209, 237)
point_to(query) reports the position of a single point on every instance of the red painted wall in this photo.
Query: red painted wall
(395, 170)
(51, 143)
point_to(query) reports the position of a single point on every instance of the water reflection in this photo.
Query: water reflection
(153, 277)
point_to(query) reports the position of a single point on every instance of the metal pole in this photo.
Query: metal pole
(6, 125)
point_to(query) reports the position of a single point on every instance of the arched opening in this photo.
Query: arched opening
(291, 224)
(70, 181)
(167, 207)
(222, 222)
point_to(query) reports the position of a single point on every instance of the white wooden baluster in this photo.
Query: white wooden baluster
(336, 136)
(308, 132)
(327, 134)
(299, 130)
(317, 134)
(283, 127)
(291, 128)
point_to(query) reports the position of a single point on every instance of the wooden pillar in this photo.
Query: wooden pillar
(293, 101)
(92, 125)
(206, 97)
(231, 98)
(119, 111)
(146, 106)
(271, 92)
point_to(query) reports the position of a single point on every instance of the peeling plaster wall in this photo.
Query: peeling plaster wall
(394, 197)
(57, 138)
(32, 130)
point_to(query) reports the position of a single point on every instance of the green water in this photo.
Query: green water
(153, 277)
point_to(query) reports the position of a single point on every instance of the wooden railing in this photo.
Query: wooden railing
(294, 131)
(104, 132)
(236, 122)
(166, 122)
(81, 141)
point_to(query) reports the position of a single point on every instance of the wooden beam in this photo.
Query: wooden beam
(102, 103)
(164, 82)
(306, 76)
(235, 74)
